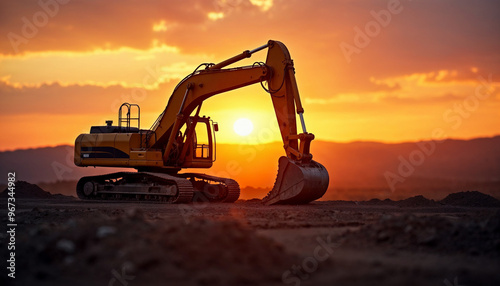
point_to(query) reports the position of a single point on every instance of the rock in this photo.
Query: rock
(135, 213)
(417, 201)
(104, 231)
(65, 245)
(25, 190)
(470, 199)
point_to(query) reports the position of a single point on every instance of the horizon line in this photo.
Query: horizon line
(279, 142)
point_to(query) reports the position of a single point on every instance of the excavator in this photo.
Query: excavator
(182, 139)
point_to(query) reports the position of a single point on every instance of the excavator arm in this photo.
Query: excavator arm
(278, 72)
(299, 179)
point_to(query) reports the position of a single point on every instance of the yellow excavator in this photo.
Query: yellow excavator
(181, 138)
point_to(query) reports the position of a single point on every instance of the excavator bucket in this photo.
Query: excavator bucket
(298, 183)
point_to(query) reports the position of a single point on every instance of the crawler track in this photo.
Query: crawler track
(233, 188)
(160, 187)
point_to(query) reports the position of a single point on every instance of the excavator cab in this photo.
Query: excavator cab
(198, 149)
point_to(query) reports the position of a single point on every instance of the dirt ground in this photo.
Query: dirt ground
(66, 241)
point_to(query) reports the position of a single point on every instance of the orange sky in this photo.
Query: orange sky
(415, 67)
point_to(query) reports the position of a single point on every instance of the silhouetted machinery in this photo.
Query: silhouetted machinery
(181, 138)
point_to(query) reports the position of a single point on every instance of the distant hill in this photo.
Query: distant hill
(358, 170)
(48, 164)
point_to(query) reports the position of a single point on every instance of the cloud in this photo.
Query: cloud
(432, 35)
(86, 25)
(263, 4)
(426, 36)
(422, 101)
(125, 66)
(215, 15)
(53, 98)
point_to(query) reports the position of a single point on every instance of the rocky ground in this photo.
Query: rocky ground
(64, 241)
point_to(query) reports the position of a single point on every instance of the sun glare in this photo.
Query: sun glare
(243, 126)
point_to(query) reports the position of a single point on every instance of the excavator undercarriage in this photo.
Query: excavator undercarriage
(160, 187)
(174, 142)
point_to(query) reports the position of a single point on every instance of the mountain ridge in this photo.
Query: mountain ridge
(383, 170)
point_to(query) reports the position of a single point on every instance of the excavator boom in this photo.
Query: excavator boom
(171, 143)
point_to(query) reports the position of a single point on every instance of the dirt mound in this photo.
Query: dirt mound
(378, 202)
(465, 199)
(25, 190)
(250, 201)
(471, 199)
(202, 252)
(417, 201)
(431, 233)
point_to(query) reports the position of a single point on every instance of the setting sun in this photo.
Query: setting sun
(243, 126)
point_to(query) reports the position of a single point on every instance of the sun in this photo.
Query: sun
(243, 126)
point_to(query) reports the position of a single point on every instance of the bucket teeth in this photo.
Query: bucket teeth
(298, 183)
